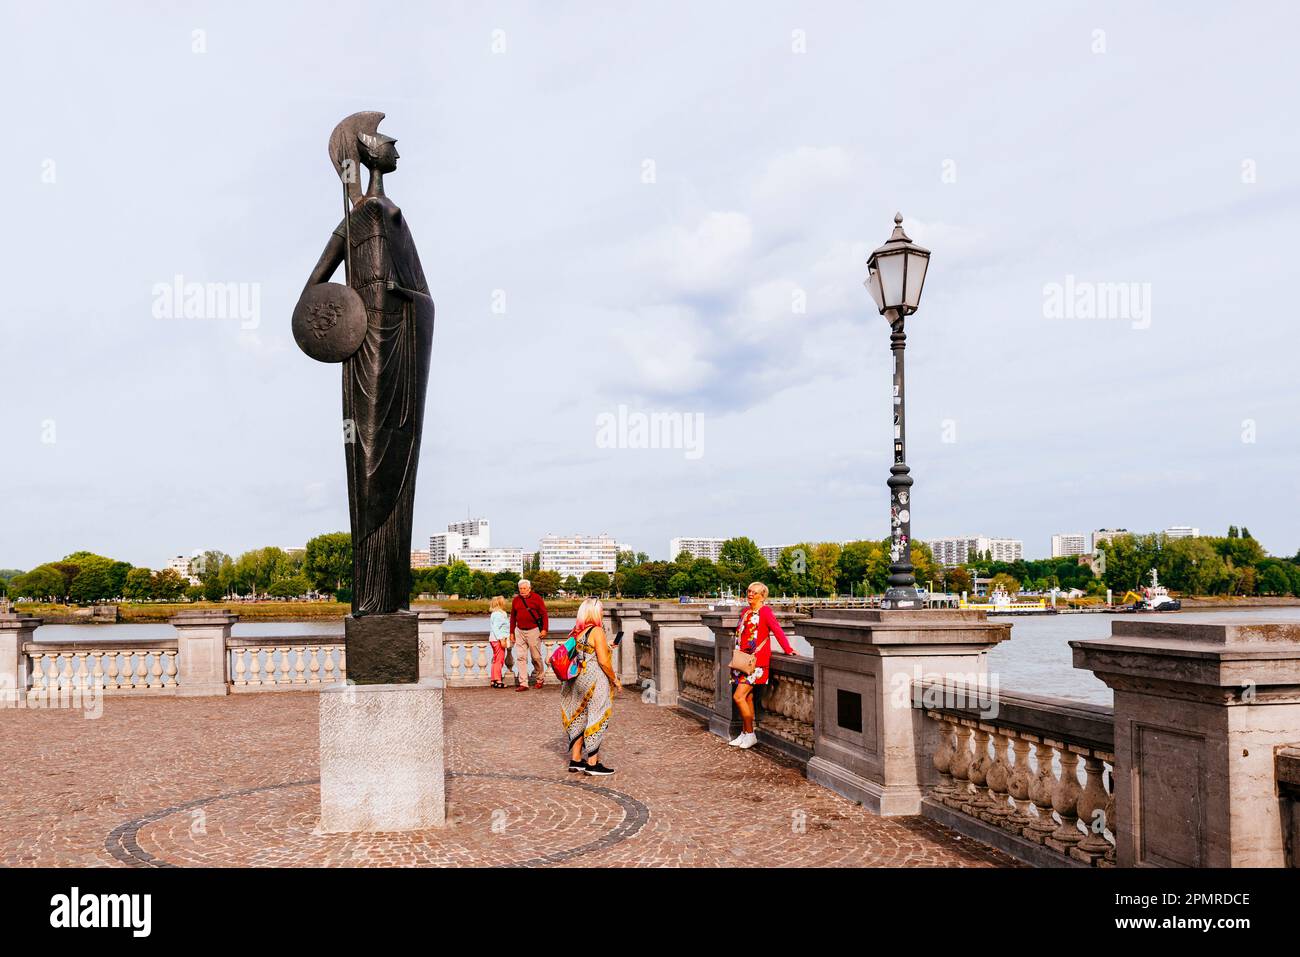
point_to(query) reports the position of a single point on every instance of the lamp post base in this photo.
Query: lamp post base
(907, 597)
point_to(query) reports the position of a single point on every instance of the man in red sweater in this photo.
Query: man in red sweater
(528, 625)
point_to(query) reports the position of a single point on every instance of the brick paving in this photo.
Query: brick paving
(160, 781)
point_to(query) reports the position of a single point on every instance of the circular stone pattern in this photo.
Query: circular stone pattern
(516, 820)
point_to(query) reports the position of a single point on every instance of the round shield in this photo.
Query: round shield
(329, 322)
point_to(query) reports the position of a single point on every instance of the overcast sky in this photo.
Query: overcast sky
(649, 195)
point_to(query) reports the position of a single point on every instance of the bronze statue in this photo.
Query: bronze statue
(385, 377)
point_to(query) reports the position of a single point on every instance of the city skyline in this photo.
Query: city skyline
(699, 254)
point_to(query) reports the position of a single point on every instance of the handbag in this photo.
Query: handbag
(745, 662)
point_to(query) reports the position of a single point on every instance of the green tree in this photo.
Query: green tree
(546, 583)
(40, 583)
(328, 561)
(739, 555)
(293, 586)
(168, 585)
(636, 583)
(704, 577)
(459, 579)
(824, 567)
(793, 570)
(139, 585)
(680, 583)
(595, 583)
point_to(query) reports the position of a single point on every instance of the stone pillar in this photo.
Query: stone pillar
(202, 662)
(627, 617)
(667, 624)
(871, 744)
(381, 757)
(1200, 710)
(15, 631)
(432, 662)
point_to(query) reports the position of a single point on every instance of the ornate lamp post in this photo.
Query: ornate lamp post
(896, 273)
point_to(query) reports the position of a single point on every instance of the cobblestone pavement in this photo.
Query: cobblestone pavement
(161, 781)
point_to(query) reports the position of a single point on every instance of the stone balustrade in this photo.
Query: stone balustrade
(148, 666)
(286, 664)
(1030, 775)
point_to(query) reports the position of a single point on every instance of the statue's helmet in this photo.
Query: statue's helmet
(349, 152)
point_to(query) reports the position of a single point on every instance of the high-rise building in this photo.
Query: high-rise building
(772, 553)
(494, 559)
(1105, 535)
(420, 560)
(1182, 531)
(1068, 543)
(477, 532)
(710, 548)
(578, 554)
(960, 551)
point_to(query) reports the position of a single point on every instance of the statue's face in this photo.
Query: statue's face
(386, 157)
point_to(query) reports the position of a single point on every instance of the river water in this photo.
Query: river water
(1037, 659)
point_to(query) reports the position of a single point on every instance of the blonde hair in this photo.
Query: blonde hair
(590, 612)
(497, 602)
(762, 589)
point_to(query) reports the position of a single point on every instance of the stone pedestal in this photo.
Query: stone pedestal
(432, 664)
(627, 617)
(871, 744)
(15, 631)
(1200, 711)
(202, 663)
(381, 757)
(383, 649)
(667, 624)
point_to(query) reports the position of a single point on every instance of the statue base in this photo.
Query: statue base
(383, 649)
(381, 757)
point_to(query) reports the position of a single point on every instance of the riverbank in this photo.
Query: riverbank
(270, 611)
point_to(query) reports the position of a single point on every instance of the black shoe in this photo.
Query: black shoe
(597, 769)
(575, 765)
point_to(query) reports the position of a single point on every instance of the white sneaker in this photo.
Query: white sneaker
(735, 742)
(749, 740)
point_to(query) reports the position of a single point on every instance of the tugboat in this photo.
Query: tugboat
(1156, 597)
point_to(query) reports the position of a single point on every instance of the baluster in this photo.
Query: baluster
(316, 652)
(1018, 784)
(960, 764)
(979, 770)
(255, 665)
(999, 775)
(38, 672)
(241, 666)
(343, 662)
(97, 676)
(1041, 788)
(141, 679)
(1092, 806)
(113, 671)
(482, 671)
(943, 755)
(1065, 799)
(66, 664)
(299, 663)
(155, 671)
(81, 671)
(453, 661)
(169, 660)
(1109, 759)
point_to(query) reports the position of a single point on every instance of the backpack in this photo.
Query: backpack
(566, 662)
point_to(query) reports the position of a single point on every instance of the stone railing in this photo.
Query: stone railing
(298, 663)
(644, 658)
(1029, 775)
(467, 658)
(784, 717)
(695, 676)
(145, 666)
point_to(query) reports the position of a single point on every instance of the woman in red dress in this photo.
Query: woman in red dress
(753, 635)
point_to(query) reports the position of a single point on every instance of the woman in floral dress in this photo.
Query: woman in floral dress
(753, 635)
